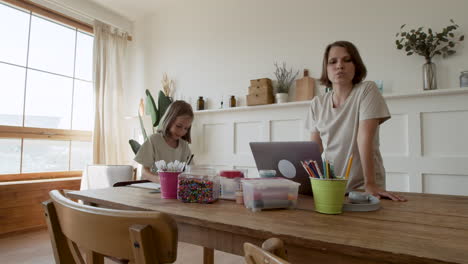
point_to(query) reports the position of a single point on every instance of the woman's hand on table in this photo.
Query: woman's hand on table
(381, 193)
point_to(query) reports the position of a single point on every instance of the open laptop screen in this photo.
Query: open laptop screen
(285, 157)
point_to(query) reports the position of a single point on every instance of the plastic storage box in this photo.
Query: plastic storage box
(198, 187)
(230, 183)
(269, 193)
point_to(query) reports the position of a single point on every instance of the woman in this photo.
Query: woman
(346, 120)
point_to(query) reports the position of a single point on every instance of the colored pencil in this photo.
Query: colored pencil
(348, 169)
(311, 166)
(307, 169)
(318, 169)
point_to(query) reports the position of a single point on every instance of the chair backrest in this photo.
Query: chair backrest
(138, 236)
(257, 255)
(104, 176)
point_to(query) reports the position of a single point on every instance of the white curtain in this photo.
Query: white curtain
(110, 47)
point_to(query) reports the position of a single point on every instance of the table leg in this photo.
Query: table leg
(208, 255)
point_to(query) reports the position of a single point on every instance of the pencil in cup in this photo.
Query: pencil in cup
(348, 169)
(307, 169)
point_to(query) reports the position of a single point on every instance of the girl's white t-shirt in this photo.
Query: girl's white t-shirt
(155, 148)
(338, 128)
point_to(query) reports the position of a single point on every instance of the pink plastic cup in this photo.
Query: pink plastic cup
(168, 180)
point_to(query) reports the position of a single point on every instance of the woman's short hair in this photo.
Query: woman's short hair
(175, 109)
(360, 68)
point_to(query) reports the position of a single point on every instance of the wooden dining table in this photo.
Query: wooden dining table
(427, 228)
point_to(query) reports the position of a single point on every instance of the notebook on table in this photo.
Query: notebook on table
(147, 185)
(285, 157)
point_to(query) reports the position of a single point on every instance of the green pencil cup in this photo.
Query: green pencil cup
(328, 195)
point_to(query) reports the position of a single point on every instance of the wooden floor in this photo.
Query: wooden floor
(35, 248)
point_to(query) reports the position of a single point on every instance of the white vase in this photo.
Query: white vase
(281, 98)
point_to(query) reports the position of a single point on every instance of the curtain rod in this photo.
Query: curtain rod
(72, 10)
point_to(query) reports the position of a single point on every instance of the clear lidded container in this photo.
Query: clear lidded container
(198, 186)
(230, 183)
(269, 193)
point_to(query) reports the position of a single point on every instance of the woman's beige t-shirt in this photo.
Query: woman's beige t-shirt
(155, 148)
(338, 128)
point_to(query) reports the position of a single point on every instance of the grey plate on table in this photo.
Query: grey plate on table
(361, 202)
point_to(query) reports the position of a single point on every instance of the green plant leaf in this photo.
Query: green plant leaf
(451, 52)
(402, 26)
(143, 131)
(134, 145)
(462, 37)
(163, 103)
(409, 53)
(451, 20)
(151, 108)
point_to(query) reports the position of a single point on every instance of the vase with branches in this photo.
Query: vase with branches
(285, 79)
(429, 44)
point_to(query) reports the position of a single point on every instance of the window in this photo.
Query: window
(46, 94)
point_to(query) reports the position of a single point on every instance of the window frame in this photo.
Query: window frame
(21, 132)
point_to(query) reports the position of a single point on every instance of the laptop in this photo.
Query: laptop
(285, 157)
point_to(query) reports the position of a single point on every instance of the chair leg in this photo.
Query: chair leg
(62, 254)
(75, 252)
(142, 240)
(94, 258)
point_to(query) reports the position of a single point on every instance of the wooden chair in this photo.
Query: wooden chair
(271, 252)
(137, 236)
(104, 176)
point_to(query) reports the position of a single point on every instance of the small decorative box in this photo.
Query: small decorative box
(262, 81)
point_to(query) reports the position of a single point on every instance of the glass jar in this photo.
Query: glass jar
(232, 102)
(200, 103)
(464, 79)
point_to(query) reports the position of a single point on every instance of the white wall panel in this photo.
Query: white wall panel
(396, 181)
(394, 136)
(445, 133)
(244, 133)
(445, 184)
(215, 144)
(286, 130)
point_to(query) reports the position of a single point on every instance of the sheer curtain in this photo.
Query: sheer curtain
(110, 46)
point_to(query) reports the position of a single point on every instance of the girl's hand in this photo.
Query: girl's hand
(381, 193)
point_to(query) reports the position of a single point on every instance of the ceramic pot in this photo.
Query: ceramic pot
(281, 98)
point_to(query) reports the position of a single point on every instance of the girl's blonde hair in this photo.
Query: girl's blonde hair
(175, 109)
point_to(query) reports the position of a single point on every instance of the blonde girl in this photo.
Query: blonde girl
(171, 142)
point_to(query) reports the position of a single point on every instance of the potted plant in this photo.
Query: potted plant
(285, 79)
(156, 112)
(428, 44)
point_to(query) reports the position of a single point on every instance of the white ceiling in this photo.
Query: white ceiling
(130, 9)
